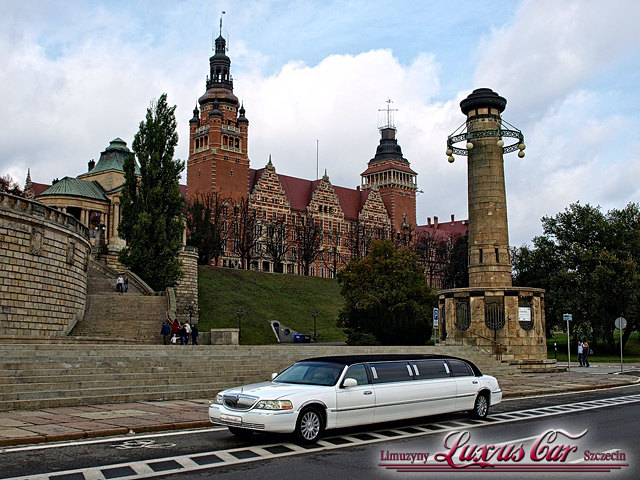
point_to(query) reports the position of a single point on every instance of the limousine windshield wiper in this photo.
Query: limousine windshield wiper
(355, 390)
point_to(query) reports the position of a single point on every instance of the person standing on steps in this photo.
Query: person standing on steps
(165, 331)
(187, 332)
(194, 335)
(119, 284)
(126, 283)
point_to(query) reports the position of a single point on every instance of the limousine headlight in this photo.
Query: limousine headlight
(274, 405)
(218, 399)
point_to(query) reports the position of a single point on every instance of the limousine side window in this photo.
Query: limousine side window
(460, 368)
(430, 369)
(359, 373)
(390, 372)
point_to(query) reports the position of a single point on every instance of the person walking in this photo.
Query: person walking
(580, 354)
(194, 335)
(119, 284)
(585, 353)
(165, 331)
(126, 283)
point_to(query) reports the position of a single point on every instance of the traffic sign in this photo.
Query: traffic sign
(621, 323)
(567, 317)
(435, 317)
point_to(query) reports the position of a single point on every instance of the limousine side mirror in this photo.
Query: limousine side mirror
(273, 375)
(349, 382)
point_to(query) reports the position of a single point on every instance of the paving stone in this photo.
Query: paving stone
(51, 429)
(15, 433)
(10, 422)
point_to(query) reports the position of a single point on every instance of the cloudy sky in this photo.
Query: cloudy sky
(77, 74)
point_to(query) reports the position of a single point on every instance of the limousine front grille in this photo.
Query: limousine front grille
(237, 401)
(254, 426)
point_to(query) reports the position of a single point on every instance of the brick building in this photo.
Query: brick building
(382, 206)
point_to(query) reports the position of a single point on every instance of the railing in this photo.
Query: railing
(231, 128)
(498, 348)
(37, 209)
(171, 304)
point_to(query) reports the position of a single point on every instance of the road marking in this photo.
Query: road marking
(111, 439)
(239, 455)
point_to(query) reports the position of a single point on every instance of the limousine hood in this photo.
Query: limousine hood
(274, 391)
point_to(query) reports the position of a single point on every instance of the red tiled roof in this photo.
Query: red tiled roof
(458, 228)
(351, 201)
(299, 192)
(38, 188)
(380, 168)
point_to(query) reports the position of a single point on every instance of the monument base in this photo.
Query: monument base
(506, 321)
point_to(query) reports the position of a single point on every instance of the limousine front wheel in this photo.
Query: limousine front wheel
(309, 425)
(481, 407)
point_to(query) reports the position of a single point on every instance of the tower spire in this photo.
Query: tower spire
(223, 12)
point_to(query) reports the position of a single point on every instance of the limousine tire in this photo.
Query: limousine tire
(240, 432)
(481, 407)
(309, 425)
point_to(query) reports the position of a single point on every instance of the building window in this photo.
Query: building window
(264, 214)
(231, 173)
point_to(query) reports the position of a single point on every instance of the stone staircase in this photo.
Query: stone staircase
(42, 376)
(131, 316)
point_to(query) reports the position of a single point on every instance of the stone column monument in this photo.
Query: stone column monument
(491, 314)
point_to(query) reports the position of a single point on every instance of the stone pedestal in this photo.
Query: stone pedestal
(509, 321)
(224, 336)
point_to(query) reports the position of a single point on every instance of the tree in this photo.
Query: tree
(307, 241)
(244, 230)
(276, 243)
(588, 263)
(386, 295)
(7, 184)
(208, 226)
(359, 239)
(152, 206)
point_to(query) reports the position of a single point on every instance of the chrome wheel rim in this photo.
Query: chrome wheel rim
(481, 406)
(310, 426)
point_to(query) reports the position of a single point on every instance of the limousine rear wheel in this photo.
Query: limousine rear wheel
(481, 407)
(309, 425)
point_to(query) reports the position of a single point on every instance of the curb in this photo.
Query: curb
(529, 393)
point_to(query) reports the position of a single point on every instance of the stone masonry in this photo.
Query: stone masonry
(187, 287)
(43, 256)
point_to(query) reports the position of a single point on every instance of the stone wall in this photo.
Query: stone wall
(187, 287)
(43, 257)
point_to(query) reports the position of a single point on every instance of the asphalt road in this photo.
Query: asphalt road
(357, 452)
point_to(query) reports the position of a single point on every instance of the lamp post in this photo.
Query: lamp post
(190, 313)
(240, 313)
(315, 312)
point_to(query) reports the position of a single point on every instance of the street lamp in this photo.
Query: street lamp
(190, 312)
(315, 317)
(240, 313)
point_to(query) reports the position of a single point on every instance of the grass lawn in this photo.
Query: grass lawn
(631, 351)
(265, 297)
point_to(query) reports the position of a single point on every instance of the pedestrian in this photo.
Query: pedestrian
(119, 284)
(126, 283)
(175, 328)
(183, 335)
(165, 331)
(174, 340)
(585, 353)
(580, 354)
(194, 335)
(187, 332)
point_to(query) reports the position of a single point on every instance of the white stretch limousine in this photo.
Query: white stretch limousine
(341, 391)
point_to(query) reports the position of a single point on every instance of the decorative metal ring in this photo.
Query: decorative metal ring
(498, 133)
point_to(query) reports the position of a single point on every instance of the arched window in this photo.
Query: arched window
(197, 143)
(237, 143)
(224, 140)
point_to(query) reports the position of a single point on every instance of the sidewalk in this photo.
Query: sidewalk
(19, 427)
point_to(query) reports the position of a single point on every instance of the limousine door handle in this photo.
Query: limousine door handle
(475, 382)
(368, 392)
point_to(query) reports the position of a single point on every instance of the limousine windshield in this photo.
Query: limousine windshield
(311, 373)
